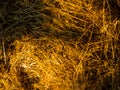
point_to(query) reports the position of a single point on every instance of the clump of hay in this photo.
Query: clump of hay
(59, 45)
(45, 64)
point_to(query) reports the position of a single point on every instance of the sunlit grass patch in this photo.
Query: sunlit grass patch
(59, 45)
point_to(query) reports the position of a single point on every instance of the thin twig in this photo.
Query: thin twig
(3, 47)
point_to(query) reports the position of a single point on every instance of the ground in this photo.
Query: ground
(59, 45)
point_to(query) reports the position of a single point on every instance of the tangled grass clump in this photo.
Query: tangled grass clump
(59, 45)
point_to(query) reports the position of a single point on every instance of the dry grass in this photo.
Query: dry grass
(59, 45)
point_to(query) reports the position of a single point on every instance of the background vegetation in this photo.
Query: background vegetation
(59, 45)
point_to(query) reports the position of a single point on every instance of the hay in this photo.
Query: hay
(59, 45)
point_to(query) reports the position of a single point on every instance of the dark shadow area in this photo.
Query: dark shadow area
(111, 6)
